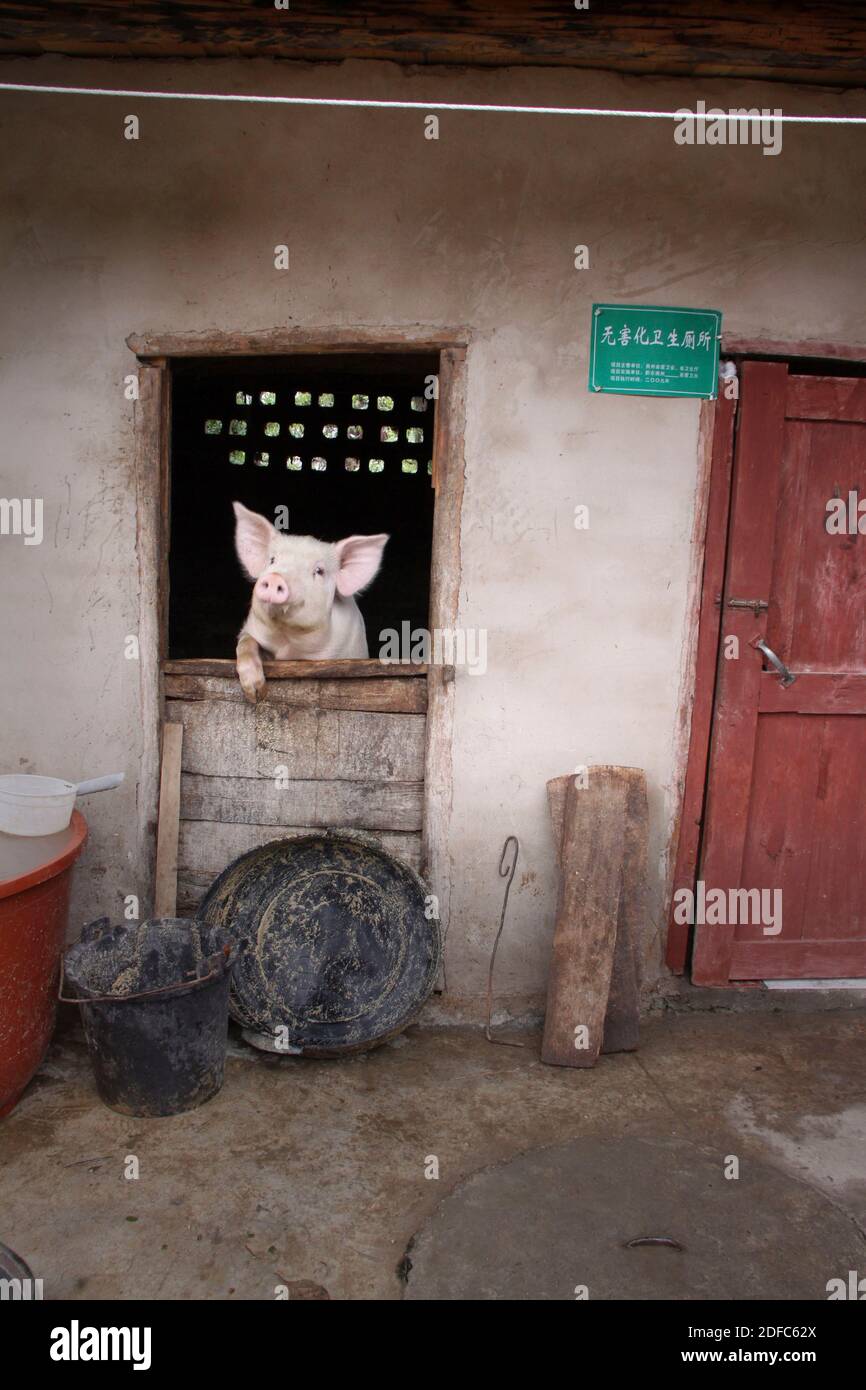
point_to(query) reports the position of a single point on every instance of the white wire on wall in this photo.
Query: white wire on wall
(356, 102)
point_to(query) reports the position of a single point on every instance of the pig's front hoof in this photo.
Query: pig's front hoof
(253, 684)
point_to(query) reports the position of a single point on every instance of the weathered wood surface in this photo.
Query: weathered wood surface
(207, 847)
(449, 469)
(242, 740)
(593, 858)
(370, 669)
(305, 758)
(814, 692)
(826, 398)
(389, 696)
(622, 1020)
(803, 41)
(275, 342)
(622, 1016)
(259, 801)
(785, 812)
(165, 890)
(712, 542)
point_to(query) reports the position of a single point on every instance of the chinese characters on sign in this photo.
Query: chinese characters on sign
(645, 350)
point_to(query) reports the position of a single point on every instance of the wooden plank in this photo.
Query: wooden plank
(207, 847)
(150, 419)
(733, 346)
(763, 388)
(793, 960)
(276, 342)
(622, 1015)
(813, 692)
(241, 740)
(303, 670)
(586, 919)
(714, 540)
(258, 801)
(827, 398)
(165, 893)
(444, 601)
(347, 744)
(799, 42)
(389, 696)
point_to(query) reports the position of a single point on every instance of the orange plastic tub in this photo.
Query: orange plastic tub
(35, 879)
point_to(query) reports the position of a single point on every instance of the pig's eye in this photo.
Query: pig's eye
(273, 560)
(319, 570)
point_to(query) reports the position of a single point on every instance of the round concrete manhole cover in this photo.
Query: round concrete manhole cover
(556, 1221)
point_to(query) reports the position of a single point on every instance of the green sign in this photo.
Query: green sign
(644, 350)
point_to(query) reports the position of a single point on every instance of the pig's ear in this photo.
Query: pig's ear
(254, 535)
(360, 558)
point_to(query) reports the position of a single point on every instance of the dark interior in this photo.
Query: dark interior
(213, 399)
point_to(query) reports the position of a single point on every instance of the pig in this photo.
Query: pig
(303, 607)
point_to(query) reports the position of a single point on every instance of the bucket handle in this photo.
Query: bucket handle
(143, 994)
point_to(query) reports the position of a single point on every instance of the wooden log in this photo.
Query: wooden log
(165, 893)
(591, 826)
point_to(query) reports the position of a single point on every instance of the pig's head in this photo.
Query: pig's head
(296, 578)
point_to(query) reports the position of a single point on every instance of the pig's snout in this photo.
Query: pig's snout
(272, 588)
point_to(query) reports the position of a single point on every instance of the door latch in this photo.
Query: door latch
(757, 605)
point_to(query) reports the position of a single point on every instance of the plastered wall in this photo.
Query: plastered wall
(175, 232)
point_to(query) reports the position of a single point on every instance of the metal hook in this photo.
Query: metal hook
(504, 872)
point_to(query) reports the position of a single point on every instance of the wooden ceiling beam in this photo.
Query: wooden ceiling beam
(799, 41)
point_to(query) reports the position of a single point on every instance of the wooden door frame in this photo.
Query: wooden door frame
(709, 545)
(152, 424)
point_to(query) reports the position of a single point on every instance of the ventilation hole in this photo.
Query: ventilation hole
(261, 460)
(430, 467)
(295, 463)
(237, 427)
(296, 431)
(330, 431)
(213, 426)
(326, 400)
(318, 465)
(272, 429)
(360, 402)
(353, 465)
(355, 431)
(237, 456)
(415, 436)
(418, 403)
(268, 397)
(384, 402)
(388, 434)
(376, 465)
(243, 399)
(303, 398)
(410, 465)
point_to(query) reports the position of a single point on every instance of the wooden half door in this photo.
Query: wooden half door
(786, 793)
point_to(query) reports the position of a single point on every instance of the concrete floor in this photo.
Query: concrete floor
(312, 1174)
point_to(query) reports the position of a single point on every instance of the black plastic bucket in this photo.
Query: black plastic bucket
(154, 1005)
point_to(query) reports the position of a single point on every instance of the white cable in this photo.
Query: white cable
(427, 105)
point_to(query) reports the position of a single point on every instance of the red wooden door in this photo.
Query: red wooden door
(786, 793)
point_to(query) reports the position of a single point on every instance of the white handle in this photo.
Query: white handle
(100, 784)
